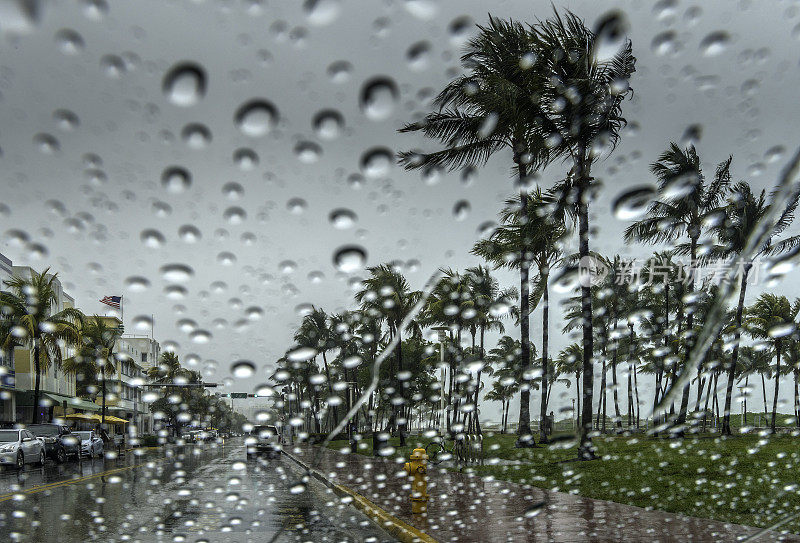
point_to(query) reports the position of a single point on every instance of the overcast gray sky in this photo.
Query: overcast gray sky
(88, 129)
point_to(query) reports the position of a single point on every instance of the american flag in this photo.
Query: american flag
(113, 301)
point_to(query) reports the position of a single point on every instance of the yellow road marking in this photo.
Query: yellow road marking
(49, 486)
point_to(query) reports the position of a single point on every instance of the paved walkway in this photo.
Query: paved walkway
(466, 507)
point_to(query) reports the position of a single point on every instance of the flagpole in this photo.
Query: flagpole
(122, 311)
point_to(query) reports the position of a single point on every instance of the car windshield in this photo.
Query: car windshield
(8, 436)
(491, 271)
(43, 430)
(83, 436)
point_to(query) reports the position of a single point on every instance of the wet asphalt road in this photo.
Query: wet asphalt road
(179, 494)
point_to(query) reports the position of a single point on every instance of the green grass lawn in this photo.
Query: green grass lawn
(747, 479)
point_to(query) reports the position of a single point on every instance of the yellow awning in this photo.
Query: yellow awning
(114, 420)
(81, 416)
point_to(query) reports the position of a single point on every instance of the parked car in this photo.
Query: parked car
(59, 441)
(263, 439)
(20, 447)
(91, 444)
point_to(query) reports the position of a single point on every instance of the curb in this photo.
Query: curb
(394, 526)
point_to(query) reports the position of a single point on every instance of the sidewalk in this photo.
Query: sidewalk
(466, 508)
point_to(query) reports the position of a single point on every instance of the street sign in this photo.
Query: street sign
(238, 394)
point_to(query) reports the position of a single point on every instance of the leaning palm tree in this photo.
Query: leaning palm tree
(743, 214)
(686, 206)
(535, 233)
(315, 333)
(488, 110)
(771, 318)
(27, 320)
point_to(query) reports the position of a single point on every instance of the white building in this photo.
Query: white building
(149, 350)
(8, 403)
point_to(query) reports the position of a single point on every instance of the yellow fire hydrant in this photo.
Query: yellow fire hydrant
(419, 487)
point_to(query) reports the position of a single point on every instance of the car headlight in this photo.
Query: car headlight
(7, 448)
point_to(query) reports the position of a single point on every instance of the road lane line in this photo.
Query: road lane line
(49, 486)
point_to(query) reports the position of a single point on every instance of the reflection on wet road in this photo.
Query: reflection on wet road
(193, 494)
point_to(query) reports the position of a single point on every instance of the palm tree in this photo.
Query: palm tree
(387, 295)
(771, 318)
(580, 94)
(570, 362)
(485, 111)
(27, 320)
(489, 302)
(97, 353)
(535, 233)
(744, 214)
(686, 206)
(315, 333)
(503, 390)
(511, 368)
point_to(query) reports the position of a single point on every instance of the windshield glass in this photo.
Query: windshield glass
(9, 436)
(83, 436)
(500, 271)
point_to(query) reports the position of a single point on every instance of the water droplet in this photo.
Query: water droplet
(136, 283)
(303, 309)
(233, 191)
(460, 29)
(176, 273)
(611, 32)
(176, 179)
(342, 218)
(419, 55)
(152, 238)
(301, 354)
(715, 43)
(189, 233)
(340, 71)
(69, 42)
(633, 203)
(142, 323)
(377, 162)
(321, 12)
(461, 210)
(226, 258)
(328, 124)
(256, 117)
(296, 206)
(264, 390)
(95, 9)
(46, 143)
(185, 84)
(781, 330)
(535, 509)
(422, 9)
(66, 120)
(665, 43)
(307, 152)
(196, 135)
(112, 66)
(378, 98)
(243, 369)
(774, 154)
(234, 215)
(349, 258)
(299, 488)
(245, 159)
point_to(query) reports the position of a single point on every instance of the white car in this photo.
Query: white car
(91, 444)
(20, 447)
(264, 439)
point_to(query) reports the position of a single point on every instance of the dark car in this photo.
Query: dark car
(59, 442)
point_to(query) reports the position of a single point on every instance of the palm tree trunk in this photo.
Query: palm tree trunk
(478, 384)
(617, 414)
(777, 382)
(737, 334)
(689, 339)
(764, 393)
(401, 424)
(524, 427)
(705, 406)
(586, 449)
(577, 413)
(37, 370)
(796, 399)
(636, 392)
(543, 275)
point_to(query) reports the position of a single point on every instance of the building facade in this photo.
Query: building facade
(8, 398)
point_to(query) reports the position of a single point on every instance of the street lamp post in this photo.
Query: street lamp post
(442, 330)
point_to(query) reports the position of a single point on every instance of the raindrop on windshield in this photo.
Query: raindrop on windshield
(185, 84)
